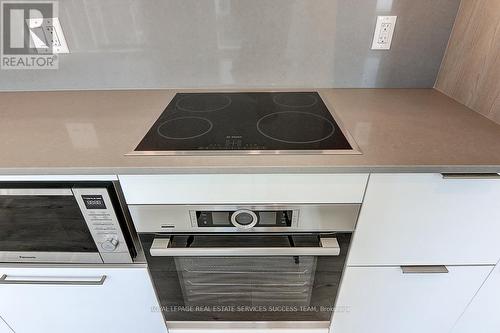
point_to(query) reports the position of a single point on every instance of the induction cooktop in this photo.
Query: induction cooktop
(246, 123)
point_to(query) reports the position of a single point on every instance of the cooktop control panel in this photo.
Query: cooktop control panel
(243, 218)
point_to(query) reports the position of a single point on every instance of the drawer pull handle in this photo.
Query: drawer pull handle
(437, 269)
(470, 176)
(94, 281)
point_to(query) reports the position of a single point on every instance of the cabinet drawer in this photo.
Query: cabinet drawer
(76, 299)
(243, 188)
(386, 300)
(428, 219)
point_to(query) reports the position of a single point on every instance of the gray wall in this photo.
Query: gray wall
(242, 43)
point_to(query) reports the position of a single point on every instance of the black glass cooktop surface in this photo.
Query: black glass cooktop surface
(245, 122)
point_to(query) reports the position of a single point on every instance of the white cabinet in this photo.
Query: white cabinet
(384, 300)
(116, 299)
(424, 219)
(482, 313)
(243, 188)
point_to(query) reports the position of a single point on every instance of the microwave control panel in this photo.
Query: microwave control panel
(97, 209)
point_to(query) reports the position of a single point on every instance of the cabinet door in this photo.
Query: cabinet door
(385, 300)
(61, 300)
(425, 219)
(482, 313)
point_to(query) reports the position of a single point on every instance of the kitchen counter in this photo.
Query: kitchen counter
(89, 132)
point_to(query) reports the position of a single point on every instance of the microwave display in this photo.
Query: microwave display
(93, 201)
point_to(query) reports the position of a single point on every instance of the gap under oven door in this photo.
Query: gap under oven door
(246, 277)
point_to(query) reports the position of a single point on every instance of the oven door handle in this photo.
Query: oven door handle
(160, 248)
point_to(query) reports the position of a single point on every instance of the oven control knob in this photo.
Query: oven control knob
(244, 219)
(110, 243)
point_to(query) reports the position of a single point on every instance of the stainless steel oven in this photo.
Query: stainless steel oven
(246, 263)
(62, 222)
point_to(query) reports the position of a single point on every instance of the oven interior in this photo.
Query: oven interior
(246, 288)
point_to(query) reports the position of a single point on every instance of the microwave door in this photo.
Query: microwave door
(44, 225)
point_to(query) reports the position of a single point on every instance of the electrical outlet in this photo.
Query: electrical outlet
(384, 31)
(45, 32)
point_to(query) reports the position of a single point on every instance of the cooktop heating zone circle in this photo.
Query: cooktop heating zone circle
(184, 128)
(295, 100)
(203, 103)
(295, 127)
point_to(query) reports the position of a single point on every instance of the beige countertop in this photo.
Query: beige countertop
(89, 132)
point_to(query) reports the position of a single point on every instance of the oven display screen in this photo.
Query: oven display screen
(265, 218)
(93, 201)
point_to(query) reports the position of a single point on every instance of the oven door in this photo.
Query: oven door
(246, 277)
(44, 225)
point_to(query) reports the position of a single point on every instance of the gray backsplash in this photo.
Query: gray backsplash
(121, 44)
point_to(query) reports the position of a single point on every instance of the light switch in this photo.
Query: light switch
(384, 30)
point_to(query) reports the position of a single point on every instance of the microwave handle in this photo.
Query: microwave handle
(160, 248)
(36, 191)
(94, 281)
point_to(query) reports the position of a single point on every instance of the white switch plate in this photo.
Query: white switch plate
(384, 30)
(44, 32)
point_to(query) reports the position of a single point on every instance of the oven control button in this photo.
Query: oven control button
(244, 219)
(110, 243)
